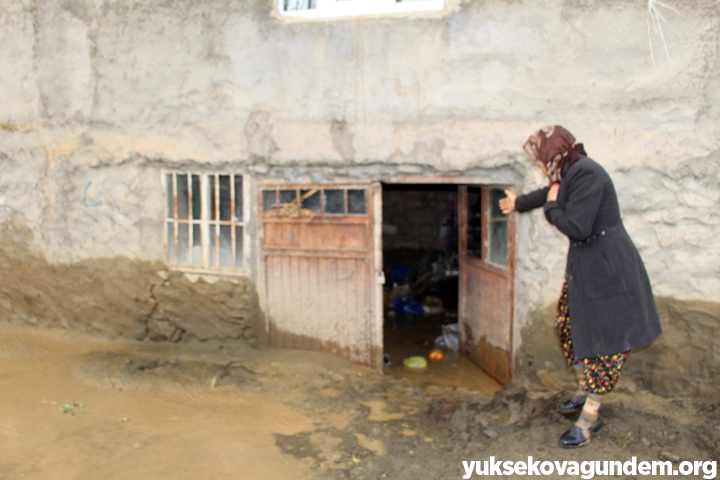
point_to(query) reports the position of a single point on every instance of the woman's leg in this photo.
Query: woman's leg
(600, 376)
(563, 331)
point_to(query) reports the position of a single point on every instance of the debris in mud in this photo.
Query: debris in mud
(378, 413)
(235, 369)
(667, 456)
(374, 445)
(711, 410)
(298, 445)
(510, 408)
(71, 409)
(544, 413)
(506, 396)
(128, 370)
(441, 410)
(415, 362)
(150, 364)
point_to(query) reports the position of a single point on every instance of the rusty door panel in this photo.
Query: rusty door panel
(320, 304)
(486, 298)
(317, 236)
(319, 280)
(486, 326)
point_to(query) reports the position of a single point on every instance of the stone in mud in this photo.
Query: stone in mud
(298, 445)
(506, 395)
(460, 419)
(151, 364)
(544, 412)
(490, 433)
(159, 329)
(441, 410)
(667, 456)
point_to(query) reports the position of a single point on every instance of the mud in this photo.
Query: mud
(119, 296)
(80, 406)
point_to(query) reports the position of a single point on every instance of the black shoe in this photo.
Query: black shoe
(574, 437)
(573, 405)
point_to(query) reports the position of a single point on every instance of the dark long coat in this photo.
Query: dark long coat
(610, 300)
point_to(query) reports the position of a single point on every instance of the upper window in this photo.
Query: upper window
(497, 229)
(487, 226)
(347, 8)
(204, 221)
(312, 202)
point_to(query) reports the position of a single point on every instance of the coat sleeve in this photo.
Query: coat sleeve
(576, 220)
(532, 200)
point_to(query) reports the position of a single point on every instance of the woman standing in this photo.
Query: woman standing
(606, 291)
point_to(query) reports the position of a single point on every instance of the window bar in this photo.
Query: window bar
(204, 235)
(345, 198)
(232, 219)
(166, 217)
(216, 203)
(191, 232)
(246, 216)
(322, 201)
(175, 218)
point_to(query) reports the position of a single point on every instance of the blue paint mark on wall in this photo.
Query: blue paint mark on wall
(85, 197)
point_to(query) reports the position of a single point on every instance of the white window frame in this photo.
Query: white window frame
(206, 223)
(351, 8)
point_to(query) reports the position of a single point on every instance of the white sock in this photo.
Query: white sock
(589, 415)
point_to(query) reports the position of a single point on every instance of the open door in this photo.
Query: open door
(487, 264)
(319, 269)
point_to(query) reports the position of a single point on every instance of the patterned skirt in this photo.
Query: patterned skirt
(601, 373)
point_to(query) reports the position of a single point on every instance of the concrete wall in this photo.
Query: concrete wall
(113, 91)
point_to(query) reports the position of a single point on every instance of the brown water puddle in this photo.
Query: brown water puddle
(54, 424)
(454, 370)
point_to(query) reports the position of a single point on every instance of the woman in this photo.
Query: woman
(606, 291)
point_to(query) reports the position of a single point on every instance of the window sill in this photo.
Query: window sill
(194, 274)
(331, 9)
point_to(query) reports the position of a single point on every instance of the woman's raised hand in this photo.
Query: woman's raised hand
(553, 192)
(507, 204)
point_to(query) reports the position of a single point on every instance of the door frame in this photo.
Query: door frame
(374, 188)
(513, 229)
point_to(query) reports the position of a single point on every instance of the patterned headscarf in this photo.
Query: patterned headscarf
(554, 149)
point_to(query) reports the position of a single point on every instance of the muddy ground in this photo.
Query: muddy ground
(74, 406)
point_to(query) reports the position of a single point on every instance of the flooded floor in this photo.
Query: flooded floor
(74, 406)
(417, 339)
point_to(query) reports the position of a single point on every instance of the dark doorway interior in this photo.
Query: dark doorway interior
(420, 262)
(421, 296)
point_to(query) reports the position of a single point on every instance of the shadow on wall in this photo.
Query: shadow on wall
(684, 360)
(119, 296)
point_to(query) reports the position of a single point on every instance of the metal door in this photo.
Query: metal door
(319, 269)
(487, 264)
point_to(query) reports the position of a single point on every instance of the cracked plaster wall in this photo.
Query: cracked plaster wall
(113, 91)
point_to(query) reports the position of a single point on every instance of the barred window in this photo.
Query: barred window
(204, 221)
